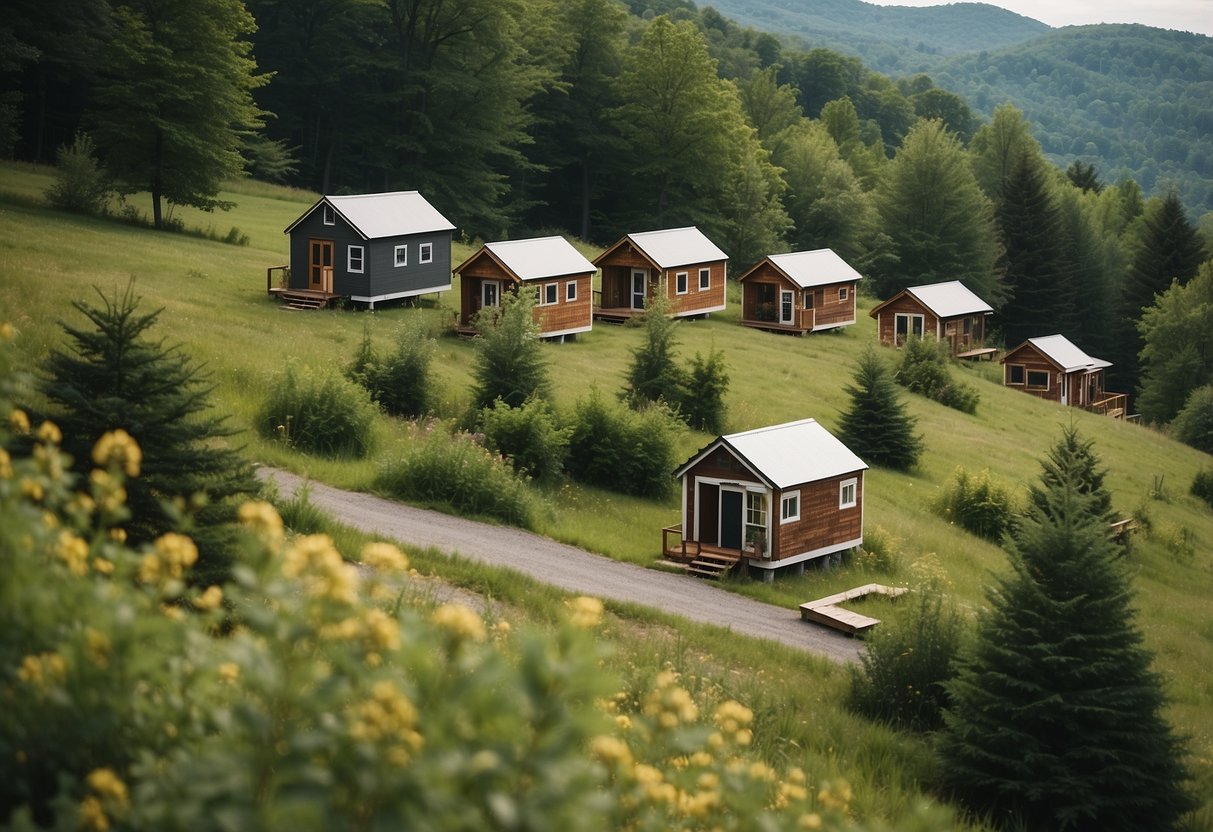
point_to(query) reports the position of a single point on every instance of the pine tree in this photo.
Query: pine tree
(1073, 455)
(509, 359)
(115, 377)
(877, 427)
(1056, 719)
(653, 374)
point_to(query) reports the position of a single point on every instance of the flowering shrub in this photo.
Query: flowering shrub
(321, 413)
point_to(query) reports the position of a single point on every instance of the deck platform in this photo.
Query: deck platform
(984, 354)
(828, 611)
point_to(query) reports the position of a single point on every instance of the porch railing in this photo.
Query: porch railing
(1113, 404)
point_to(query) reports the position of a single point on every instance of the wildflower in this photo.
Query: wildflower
(262, 520)
(118, 449)
(210, 599)
(149, 569)
(7, 333)
(177, 551)
(49, 433)
(18, 421)
(42, 671)
(172, 612)
(586, 612)
(118, 535)
(107, 491)
(106, 784)
(383, 630)
(73, 551)
(384, 557)
(610, 750)
(6, 465)
(32, 490)
(836, 795)
(761, 771)
(229, 672)
(791, 792)
(97, 646)
(388, 716)
(623, 722)
(325, 574)
(92, 815)
(460, 621)
(810, 821)
(103, 566)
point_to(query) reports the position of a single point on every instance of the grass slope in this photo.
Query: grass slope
(215, 306)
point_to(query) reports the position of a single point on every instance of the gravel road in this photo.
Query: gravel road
(570, 568)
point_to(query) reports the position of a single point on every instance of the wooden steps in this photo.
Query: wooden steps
(303, 299)
(711, 564)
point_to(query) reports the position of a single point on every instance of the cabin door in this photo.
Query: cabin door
(320, 266)
(786, 304)
(640, 288)
(730, 519)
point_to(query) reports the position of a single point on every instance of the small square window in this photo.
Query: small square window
(402, 256)
(789, 508)
(705, 279)
(425, 253)
(551, 293)
(843, 294)
(680, 282)
(570, 290)
(846, 493)
(1014, 374)
(354, 259)
(1038, 379)
(326, 213)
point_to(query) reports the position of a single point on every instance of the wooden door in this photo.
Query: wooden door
(708, 514)
(320, 267)
(730, 519)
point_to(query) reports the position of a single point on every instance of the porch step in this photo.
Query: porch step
(711, 564)
(301, 302)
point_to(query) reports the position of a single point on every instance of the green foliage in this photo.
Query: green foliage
(401, 382)
(509, 360)
(1074, 458)
(528, 436)
(629, 451)
(1177, 356)
(654, 374)
(1084, 176)
(997, 148)
(114, 377)
(80, 183)
(924, 370)
(1202, 486)
(1194, 424)
(977, 504)
(270, 160)
(876, 425)
(454, 470)
(702, 402)
(318, 412)
(1056, 718)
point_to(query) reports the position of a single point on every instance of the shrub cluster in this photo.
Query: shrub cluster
(318, 412)
(977, 504)
(80, 183)
(400, 382)
(1193, 424)
(624, 450)
(924, 370)
(529, 436)
(1202, 485)
(454, 470)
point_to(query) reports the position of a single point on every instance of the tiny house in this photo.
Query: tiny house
(771, 498)
(369, 248)
(561, 278)
(680, 263)
(943, 311)
(804, 291)
(1053, 368)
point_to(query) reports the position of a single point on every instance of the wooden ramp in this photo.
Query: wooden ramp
(828, 612)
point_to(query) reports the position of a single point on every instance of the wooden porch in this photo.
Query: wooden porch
(279, 287)
(613, 314)
(1115, 405)
(696, 558)
(803, 321)
(828, 612)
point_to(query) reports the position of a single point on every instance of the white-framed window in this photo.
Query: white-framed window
(570, 290)
(789, 508)
(1038, 380)
(705, 279)
(551, 293)
(755, 515)
(1015, 374)
(906, 324)
(354, 259)
(425, 253)
(401, 257)
(847, 490)
(326, 214)
(843, 293)
(680, 283)
(490, 294)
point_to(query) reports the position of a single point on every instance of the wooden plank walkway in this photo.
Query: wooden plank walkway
(828, 612)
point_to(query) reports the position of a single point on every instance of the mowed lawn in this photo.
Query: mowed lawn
(215, 306)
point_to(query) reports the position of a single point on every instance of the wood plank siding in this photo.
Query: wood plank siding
(814, 308)
(563, 303)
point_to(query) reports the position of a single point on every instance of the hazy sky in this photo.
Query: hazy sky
(1188, 15)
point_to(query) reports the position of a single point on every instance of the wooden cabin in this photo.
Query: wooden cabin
(1054, 369)
(945, 311)
(771, 498)
(561, 278)
(804, 291)
(680, 263)
(368, 248)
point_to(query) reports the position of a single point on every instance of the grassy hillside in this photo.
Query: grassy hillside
(215, 305)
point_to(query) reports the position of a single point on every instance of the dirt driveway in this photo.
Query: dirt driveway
(569, 568)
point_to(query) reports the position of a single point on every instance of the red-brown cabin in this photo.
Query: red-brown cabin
(681, 263)
(774, 497)
(804, 291)
(1054, 369)
(560, 276)
(945, 311)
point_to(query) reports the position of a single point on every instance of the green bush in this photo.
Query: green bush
(1194, 423)
(80, 183)
(528, 436)
(1202, 486)
(977, 504)
(401, 382)
(318, 412)
(454, 470)
(620, 449)
(924, 370)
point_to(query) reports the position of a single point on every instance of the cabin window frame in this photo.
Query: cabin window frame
(789, 508)
(425, 253)
(705, 279)
(682, 282)
(1011, 373)
(327, 215)
(570, 291)
(844, 294)
(1048, 377)
(350, 257)
(910, 317)
(399, 250)
(848, 493)
(755, 515)
(551, 294)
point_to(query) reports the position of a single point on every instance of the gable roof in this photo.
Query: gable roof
(1064, 353)
(537, 258)
(392, 214)
(811, 268)
(671, 247)
(944, 300)
(788, 454)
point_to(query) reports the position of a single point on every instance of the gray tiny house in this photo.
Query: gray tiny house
(369, 248)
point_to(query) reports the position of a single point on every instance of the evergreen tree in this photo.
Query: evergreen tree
(1177, 355)
(1039, 271)
(877, 426)
(1084, 176)
(113, 378)
(509, 358)
(654, 374)
(997, 147)
(1099, 264)
(702, 404)
(1073, 456)
(1056, 719)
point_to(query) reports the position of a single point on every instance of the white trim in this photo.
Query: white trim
(684, 313)
(910, 316)
(373, 299)
(791, 518)
(570, 291)
(834, 325)
(853, 482)
(425, 252)
(396, 252)
(555, 294)
(703, 287)
(763, 563)
(328, 214)
(1009, 382)
(349, 259)
(844, 293)
(496, 284)
(790, 296)
(561, 332)
(1048, 380)
(685, 278)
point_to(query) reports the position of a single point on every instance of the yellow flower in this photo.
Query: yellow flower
(92, 815)
(49, 433)
(7, 333)
(149, 569)
(118, 535)
(263, 520)
(42, 671)
(177, 551)
(118, 448)
(623, 722)
(646, 775)
(105, 783)
(32, 489)
(229, 672)
(384, 557)
(731, 716)
(210, 599)
(6, 465)
(107, 491)
(316, 560)
(836, 795)
(460, 621)
(810, 821)
(18, 421)
(610, 750)
(98, 646)
(387, 716)
(384, 631)
(103, 566)
(73, 551)
(585, 612)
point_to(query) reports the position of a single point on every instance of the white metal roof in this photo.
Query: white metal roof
(1061, 351)
(946, 300)
(385, 215)
(540, 257)
(789, 454)
(814, 268)
(673, 247)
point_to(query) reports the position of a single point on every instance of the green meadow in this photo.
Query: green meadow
(216, 307)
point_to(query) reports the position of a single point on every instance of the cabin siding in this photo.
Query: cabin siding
(906, 304)
(559, 318)
(311, 228)
(822, 523)
(719, 465)
(618, 264)
(760, 301)
(1032, 361)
